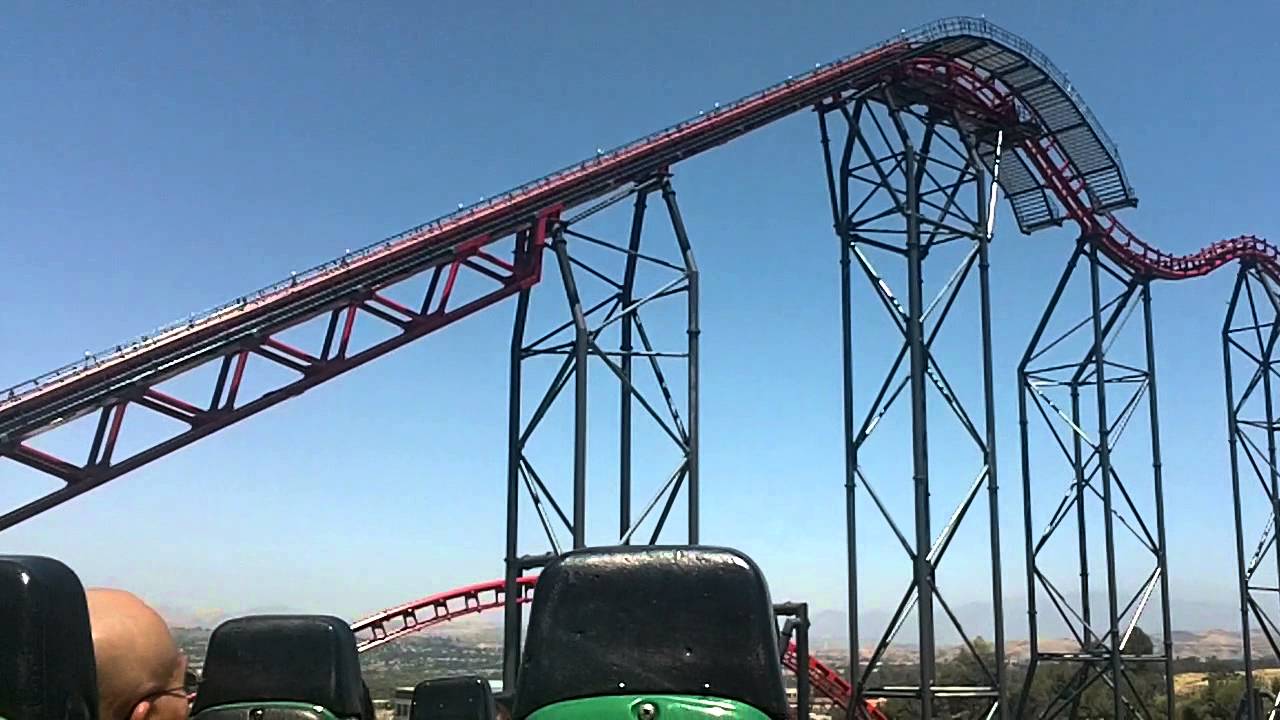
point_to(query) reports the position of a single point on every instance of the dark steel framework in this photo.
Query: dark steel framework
(609, 286)
(1249, 342)
(796, 625)
(907, 183)
(1086, 386)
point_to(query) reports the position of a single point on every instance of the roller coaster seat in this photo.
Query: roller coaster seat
(676, 633)
(46, 648)
(454, 698)
(282, 667)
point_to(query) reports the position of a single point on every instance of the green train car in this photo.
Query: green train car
(656, 633)
(679, 633)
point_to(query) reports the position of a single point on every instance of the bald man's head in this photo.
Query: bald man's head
(140, 670)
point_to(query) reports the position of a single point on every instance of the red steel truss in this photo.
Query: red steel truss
(258, 334)
(394, 623)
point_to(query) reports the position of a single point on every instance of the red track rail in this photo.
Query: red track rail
(828, 683)
(397, 622)
(264, 340)
(403, 620)
(996, 104)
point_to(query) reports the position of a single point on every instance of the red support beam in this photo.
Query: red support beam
(312, 368)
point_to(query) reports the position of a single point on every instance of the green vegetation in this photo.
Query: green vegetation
(410, 661)
(1207, 689)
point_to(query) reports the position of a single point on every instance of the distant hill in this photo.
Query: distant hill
(1200, 625)
(212, 617)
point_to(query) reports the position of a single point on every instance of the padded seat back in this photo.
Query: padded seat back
(46, 647)
(456, 698)
(281, 667)
(627, 621)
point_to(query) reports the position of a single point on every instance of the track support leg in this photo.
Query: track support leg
(597, 335)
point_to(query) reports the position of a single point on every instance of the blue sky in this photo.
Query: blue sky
(160, 160)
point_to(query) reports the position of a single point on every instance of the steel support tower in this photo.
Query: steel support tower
(1248, 344)
(613, 275)
(797, 626)
(1083, 382)
(910, 194)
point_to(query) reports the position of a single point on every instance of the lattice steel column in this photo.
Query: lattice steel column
(1248, 342)
(608, 288)
(1071, 378)
(797, 625)
(907, 186)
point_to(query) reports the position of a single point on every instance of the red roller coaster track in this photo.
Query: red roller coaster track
(1060, 166)
(394, 623)
(987, 99)
(403, 620)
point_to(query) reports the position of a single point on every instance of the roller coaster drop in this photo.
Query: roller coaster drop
(918, 134)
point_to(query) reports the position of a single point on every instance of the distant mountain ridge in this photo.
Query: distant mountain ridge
(212, 617)
(1194, 618)
(1206, 628)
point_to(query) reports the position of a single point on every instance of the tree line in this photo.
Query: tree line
(1081, 692)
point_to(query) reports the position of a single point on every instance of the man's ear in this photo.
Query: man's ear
(141, 710)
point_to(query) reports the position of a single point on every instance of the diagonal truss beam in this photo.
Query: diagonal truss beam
(598, 335)
(905, 182)
(225, 402)
(1249, 335)
(1083, 361)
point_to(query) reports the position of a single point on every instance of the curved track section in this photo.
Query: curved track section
(397, 622)
(394, 623)
(1043, 163)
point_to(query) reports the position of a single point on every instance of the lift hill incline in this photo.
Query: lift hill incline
(1062, 167)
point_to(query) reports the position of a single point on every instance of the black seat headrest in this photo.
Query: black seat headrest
(657, 620)
(455, 698)
(300, 658)
(46, 647)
